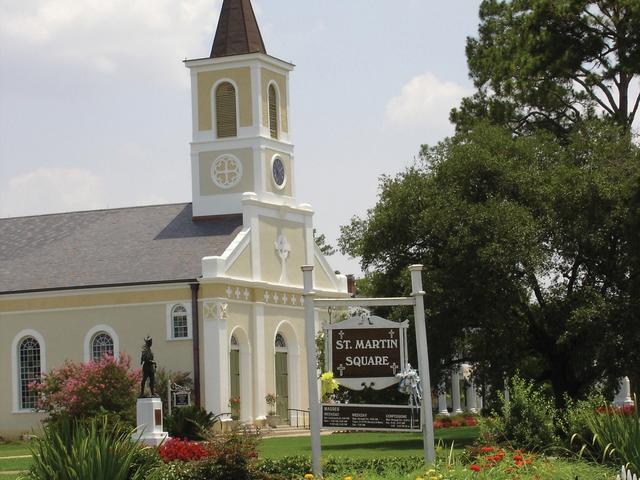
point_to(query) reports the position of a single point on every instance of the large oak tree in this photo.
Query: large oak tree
(530, 246)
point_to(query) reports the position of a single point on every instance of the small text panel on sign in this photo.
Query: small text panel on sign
(371, 417)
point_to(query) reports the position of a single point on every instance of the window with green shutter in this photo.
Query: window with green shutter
(226, 121)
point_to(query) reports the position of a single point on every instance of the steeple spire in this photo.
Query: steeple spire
(238, 32)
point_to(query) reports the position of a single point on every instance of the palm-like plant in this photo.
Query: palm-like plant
(95, 449)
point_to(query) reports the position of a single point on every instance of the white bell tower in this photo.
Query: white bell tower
(240, 113)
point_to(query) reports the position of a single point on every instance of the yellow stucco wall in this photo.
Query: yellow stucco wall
(270, 229)
(241, 268)
(280, 80)
(206, 159)
(64, 331)
(286, 160)
(206, 80)
(321, 280)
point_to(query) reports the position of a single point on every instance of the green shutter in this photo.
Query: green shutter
(234, 375)
(226, 123)
(282, 386)
(273, 112)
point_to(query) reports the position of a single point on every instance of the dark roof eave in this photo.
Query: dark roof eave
(107, 285)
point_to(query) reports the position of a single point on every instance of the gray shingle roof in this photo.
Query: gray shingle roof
(159, 243)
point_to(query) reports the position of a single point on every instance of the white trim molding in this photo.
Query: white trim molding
(14, 365)
(88, 339)
(169, 321)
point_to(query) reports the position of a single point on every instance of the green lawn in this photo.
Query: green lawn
(13, 449)
(365, 445)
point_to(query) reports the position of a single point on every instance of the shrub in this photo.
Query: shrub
(526, 421)
(85, 390)
(190, 423)
(295, 467)
(95, 449)
(231, 456)
(573, 421)
(183, 450)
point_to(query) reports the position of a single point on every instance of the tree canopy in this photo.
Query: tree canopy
(553, 63)
(530, 246)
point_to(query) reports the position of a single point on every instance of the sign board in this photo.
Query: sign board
(392, 418)
(366, 351)
(181, 399)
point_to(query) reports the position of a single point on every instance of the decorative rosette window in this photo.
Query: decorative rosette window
(226, 171)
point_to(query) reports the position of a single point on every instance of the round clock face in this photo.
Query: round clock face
(278, 172)
(226, 171)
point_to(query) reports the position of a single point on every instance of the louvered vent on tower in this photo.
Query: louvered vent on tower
(226, 122)
(273, 112)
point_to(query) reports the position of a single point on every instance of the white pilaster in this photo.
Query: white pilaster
(216, 357)
(259, 364)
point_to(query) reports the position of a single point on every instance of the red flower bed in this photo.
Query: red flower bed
(183, 450)
(626, 410)
(457, 421)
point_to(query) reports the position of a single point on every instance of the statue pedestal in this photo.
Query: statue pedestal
(149, 421)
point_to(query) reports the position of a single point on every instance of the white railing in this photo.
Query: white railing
(626, 475)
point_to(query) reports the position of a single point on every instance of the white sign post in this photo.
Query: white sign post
(312, 369)
(423, 362)
(417, 301)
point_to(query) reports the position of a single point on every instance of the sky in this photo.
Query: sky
(95, 100)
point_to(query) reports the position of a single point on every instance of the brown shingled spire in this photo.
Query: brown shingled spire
(238, 32)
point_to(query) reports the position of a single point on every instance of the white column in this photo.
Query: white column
(471, 398)
(423, 363)
(216, 357)
(455, 393)
(245, 384)
(259, 363)
(310, 343)
(442, 400)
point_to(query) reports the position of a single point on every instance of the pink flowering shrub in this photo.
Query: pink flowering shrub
(83, 390)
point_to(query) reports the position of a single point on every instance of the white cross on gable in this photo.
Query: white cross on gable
(283, 249)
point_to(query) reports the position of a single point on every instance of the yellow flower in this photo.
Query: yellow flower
(308, 476)
(419, 478)
(431, 472)
(348, 478)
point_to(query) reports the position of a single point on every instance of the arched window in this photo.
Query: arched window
(280, 341)
(234, 343)
(226, 123)
(179, 322)
(273, 111)
(29, 370)
(101, 345)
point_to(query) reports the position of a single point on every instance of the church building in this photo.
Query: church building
(217, 283)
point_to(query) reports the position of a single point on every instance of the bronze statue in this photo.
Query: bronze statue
(148, 368)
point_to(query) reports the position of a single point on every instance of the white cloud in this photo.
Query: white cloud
(425, 101)
(51, 190)
(106, 36)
